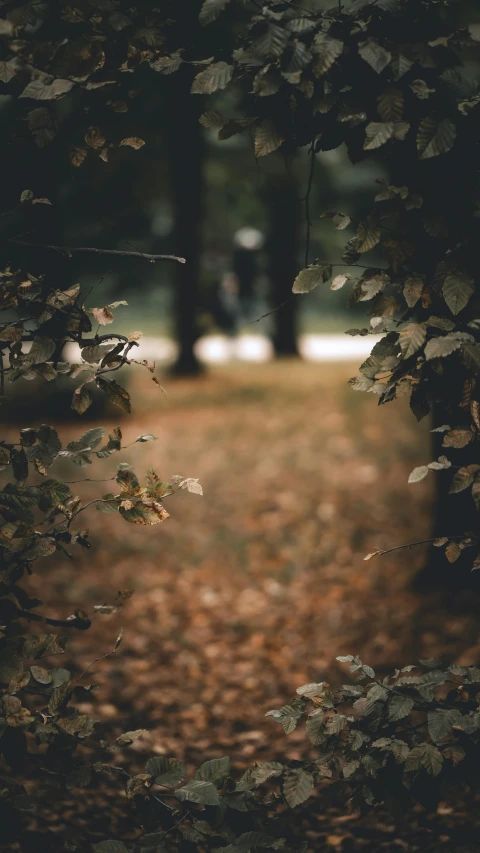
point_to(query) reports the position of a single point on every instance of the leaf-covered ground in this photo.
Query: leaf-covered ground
(252, 590)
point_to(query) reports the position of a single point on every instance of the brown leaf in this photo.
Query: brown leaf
(103, 316)
(94, 137)
(77, 156)
(132, 142)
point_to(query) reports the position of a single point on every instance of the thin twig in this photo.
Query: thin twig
(102, 657)
(272, 311)
(68, 251)
(164, 834)
(307, 200)
(413, 544)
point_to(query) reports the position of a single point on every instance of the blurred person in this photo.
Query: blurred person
(246, 245)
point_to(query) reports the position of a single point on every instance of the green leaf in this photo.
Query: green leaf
(198, 791)
(259, 774)
(315, 727)
(271, 42)
(249, 841)
(211, 79)
(267, 138)
(440, 723)
(297, 787)
(427, 756)
(436, 135)
(377, 134)
(326, 50)
(457, 290)
(376, 55)
(110, 847)
(166, 771)
(399, 707)
(311, 277)
(41, 675)
(214, 770)
(412, 338)
(471, 357)
(210, 10)
(442, 347)
(41, 350)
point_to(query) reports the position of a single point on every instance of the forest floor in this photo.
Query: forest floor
(254, 589)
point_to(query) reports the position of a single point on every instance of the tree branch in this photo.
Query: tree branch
(69, 251)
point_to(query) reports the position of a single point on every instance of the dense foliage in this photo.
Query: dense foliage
(381, 77)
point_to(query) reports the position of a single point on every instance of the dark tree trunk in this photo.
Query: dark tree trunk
(186, 149)
(283, 213)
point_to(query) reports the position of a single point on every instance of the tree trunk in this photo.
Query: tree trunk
(282, 203)
(186, 148)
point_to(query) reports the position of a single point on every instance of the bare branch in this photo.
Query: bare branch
(68, 252)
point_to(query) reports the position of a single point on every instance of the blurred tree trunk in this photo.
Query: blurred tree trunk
(282, 248)
(187, 155)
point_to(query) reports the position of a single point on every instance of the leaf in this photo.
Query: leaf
(94, 137)
(412, 290)
(297, 787)
(376, 134)
(336, 724)
(326, 50)
(166, 771)
(315, 727)
(259, 774)
(41, 675)
(458, 437)
(271, 42)
(457, 290)
(41, 350)
(436, 135)
(211, 79)
(452, 552)
(115, 393)
(198, 791)
(367, 236)
(214, 770)
(399, 707)
(211, 10)
(427, 756)
(370, 287)
(46, 88)
(339, 281)
(440, 723)
(146, 437)
(110, 847)
(77, 156)
(267, 138)
(143, 512)
(441, 347)
(132, 142)
(390, 105)
(311, 277)
(376, 55)
(412, 338)
(471, 357)
(103, 316)
(130, 737)
(463, 478)
(82, 399)
(418, 474)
